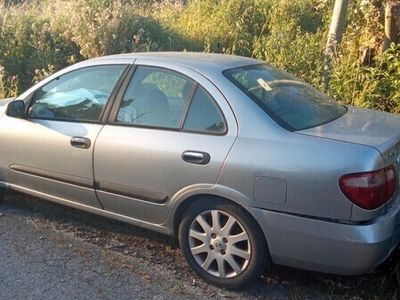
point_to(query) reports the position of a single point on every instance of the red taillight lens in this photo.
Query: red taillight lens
(370, 190)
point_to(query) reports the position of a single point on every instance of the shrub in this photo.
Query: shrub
(109, 27)
(224, 26)
(8, 85)
(381, 83)
(2, 83)
(40, 37)
(28, 42)
(371, 84)
(296, 39)
(287, 34)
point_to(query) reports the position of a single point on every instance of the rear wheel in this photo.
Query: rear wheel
(223, 244)
(2, 192)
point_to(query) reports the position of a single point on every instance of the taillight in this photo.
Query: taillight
(370, 190)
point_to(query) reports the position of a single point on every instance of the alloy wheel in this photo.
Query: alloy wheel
(219, 244)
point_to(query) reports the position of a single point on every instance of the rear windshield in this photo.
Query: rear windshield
(292, 103)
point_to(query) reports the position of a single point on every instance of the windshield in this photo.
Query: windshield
(292, 103)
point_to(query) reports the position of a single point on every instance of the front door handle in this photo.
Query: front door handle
(196, 157)
(80, 142)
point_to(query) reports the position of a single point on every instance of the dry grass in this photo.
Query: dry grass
(153, 249)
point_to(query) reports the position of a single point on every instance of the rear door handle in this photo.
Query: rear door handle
(196, 157)
(80, 142)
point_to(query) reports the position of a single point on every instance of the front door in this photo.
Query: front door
(50, 152)
(170, 132)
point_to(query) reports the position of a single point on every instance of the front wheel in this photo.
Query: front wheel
(223, 244)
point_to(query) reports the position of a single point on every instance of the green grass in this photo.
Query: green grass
(40, 37)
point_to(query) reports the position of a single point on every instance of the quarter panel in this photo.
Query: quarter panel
(310, 166)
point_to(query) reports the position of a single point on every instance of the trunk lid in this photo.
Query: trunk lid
(366, 127)
(363, 126)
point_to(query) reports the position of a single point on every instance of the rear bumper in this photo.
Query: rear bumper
(329, 247)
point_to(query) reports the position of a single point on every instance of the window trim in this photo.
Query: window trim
(124, 86)
(104, 112)
(188, 105)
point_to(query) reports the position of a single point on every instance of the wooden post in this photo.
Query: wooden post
(335, 36)
(392, 24)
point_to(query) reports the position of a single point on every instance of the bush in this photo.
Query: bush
(2, 83)
(28, 42)
(381, 83)
(8, 85)
(35, 36)
(371, 84)
(296, 39)
(225, 26)
(40, 37)
(109, 27)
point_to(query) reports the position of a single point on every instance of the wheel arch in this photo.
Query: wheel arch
(228, 195)
(259, 258)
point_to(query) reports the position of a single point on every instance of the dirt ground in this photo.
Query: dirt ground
(52, 252)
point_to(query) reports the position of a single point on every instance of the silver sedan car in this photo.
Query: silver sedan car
(246, 164)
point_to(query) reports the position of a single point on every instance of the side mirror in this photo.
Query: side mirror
(16, 109)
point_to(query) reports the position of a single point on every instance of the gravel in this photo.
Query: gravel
(49, 251)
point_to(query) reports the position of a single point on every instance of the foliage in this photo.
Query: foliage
(42, 73)
(108, 27)
(2, 83)
(296, 38)
(370, 84)
(8, 85)
(383, 82)
(38, 37)
(225, 26)
(29, 42)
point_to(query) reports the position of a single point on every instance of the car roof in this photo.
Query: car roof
(201, 62)
(208, 64)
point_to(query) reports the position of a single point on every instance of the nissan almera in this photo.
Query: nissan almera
(244, 163)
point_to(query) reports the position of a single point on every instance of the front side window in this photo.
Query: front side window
(155, 97)
(76, 96)
(292, 103)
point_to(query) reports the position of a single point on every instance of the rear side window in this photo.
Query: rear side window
(76, 96)
(204, 114)
(161, 98)
(292, 103)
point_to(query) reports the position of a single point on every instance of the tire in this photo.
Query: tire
(2, 192)
(232, 255)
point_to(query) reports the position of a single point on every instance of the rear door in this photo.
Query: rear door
(50, 152)
(171, 130)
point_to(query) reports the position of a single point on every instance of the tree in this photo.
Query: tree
(392, 24)
(335, 36)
